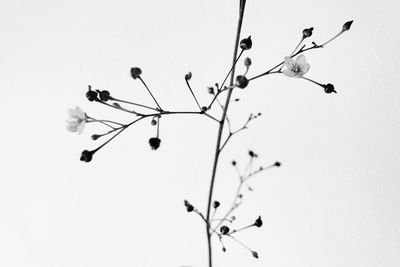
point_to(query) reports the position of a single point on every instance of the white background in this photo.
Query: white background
(334, 202)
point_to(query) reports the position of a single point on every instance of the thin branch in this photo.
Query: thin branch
(145, 85)
(221, 128)
(191, 91)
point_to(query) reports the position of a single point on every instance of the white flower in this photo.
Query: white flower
(296, 68)
(77, 120)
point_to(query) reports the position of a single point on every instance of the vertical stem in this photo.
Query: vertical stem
(220, 130)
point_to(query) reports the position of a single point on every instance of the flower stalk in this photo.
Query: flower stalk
(221, 128)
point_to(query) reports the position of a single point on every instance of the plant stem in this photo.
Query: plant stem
(220, 130)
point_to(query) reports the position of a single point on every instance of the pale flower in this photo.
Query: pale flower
(77, 120)
(296, 68)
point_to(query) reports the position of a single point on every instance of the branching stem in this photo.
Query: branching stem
(220, 130)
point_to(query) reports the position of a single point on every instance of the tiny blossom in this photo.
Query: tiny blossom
(216, 204)
(255, 254)
(86, 155)
(241, 81)
(188, 76)
(329, 88)
(277, 164)
(154, 143)
(136, 72)
(347, 26)
(189, 207)
(246, 43)
(224, 229)
(307, 32)
(258, 222)
(77, 120)
(247, 62)
(104, 95)
(91, 95)
(296, 68)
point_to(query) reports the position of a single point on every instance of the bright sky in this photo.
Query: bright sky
(334, 202)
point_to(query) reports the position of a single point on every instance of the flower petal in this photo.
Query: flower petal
(289, 73)
(299, 74)
(80, 127)
(80, 113)
(301, 60)
(305, 68)
(72, 113)
(289, 62)
(72, 127)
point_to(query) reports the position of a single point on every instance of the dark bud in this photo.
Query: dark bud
(252, 154)
(329, 88)
(211, 90)
(189, 207)
(307, 32)
(233, 163)
(247, 62)
(154, 143)
(104, 95)
(188, 76)
(277, 164)
(136, 72)
(237, 99)
(204, 109)
(255, 254)
(246, 44)
(223, 249)
(241, 81)
(347, 26)
(91, 95)
(95, 136)
(224, 229)
(86, 155)
(153, 122)
(258, 222)
(216, 204)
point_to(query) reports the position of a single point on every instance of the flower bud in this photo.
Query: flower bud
(104, 95)
(329, 88)
(307, 32)
(86, 155)
(258, 222)
(153, 122)
(233, 162)
(188, 76)
(224, 229)
(216, 204)
(91, 95)
(255, 254)
(189, 207)
(211, 90)
(252, 154)
(204, 109)
(136, 72)
(95, 136)
(347, 26)
(241, 81)
(247, 62)
(154, 143)
(277, 164)
(246, 43)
